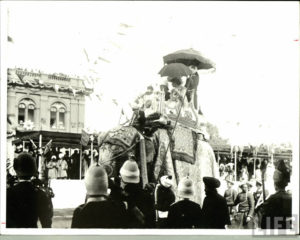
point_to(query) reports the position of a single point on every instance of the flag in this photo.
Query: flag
(48, 147)
(85, 137)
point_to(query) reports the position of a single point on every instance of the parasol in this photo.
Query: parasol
(189, 57)
(175, 70)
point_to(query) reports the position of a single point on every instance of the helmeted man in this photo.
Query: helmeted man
(140, 203)
(245, 203)
(99, 211)
(185, 213)
(27, 202)
(164, 197)
(277, 209)
(215, 211)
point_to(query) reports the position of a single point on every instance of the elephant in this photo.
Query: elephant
(179, 154)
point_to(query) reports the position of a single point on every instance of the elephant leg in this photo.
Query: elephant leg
(163, 164)
(205, 165)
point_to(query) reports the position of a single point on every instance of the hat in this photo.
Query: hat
(185, 188)
(53, 157)
(25, 165)
(211, 182)
(249, 184)
(130, 172)
(258, 183)
(96, 181)
(282, 173)
(166, 181)
(231, 182)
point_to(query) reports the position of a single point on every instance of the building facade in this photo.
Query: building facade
(45, 102)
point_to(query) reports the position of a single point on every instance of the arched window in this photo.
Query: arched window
(58, 116)
(26, 111)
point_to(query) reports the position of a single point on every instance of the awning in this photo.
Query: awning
(59, 139)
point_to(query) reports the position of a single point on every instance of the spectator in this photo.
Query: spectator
(230, 196)
(164, 197)
(244, 217)
(140, 202)
(215, 211)
(258, 201)
(26, 202)
(52, 168)
(75, 159)
(99, 211)
(277, 209)
(62, 167)
(185, 213)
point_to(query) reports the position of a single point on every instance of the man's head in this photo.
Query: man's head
(211, 184)
(185, 188)
(96, 181)
(258, 185)
(193, 68)
(245, 187)
(230, 183)
(25, 166)
(282, 175)
(166, 181)
(129, 172)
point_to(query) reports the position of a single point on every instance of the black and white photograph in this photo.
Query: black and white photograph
(149, 118)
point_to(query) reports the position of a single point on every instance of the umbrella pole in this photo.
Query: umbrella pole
(40, 169)
(235, 170)
(80, 163)
(254, 167)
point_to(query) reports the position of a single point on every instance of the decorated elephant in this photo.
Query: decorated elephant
(178, 152)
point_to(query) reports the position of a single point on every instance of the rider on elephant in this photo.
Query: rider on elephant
(172, 147)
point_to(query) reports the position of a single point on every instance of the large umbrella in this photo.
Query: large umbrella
(189, 57)
(175, 70)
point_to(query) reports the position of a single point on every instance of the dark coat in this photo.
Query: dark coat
(140, 205)
(277, 205)
(215, 211)
(164, 198)
(26, 204)
(184, 214)
(100, 214)
(192, 84)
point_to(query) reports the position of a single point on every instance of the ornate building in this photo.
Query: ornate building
(44, 102)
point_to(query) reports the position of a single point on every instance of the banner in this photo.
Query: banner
(85, 137)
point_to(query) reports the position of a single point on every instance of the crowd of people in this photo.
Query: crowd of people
(124, 203)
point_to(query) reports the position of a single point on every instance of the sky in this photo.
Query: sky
(252, 97)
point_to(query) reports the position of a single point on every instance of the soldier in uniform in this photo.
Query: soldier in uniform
(139, 202)
(230, 196)
(215, 210)
(27, 202)
(185, 213)
(164, 197)
(277, 209)
(245, 201)
(99, 211)
(258, 201)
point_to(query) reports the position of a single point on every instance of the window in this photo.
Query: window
(26, 111)
(57, 116)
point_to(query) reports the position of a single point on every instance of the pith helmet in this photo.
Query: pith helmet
(130, 172)
(96, 181)
(186, 188)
